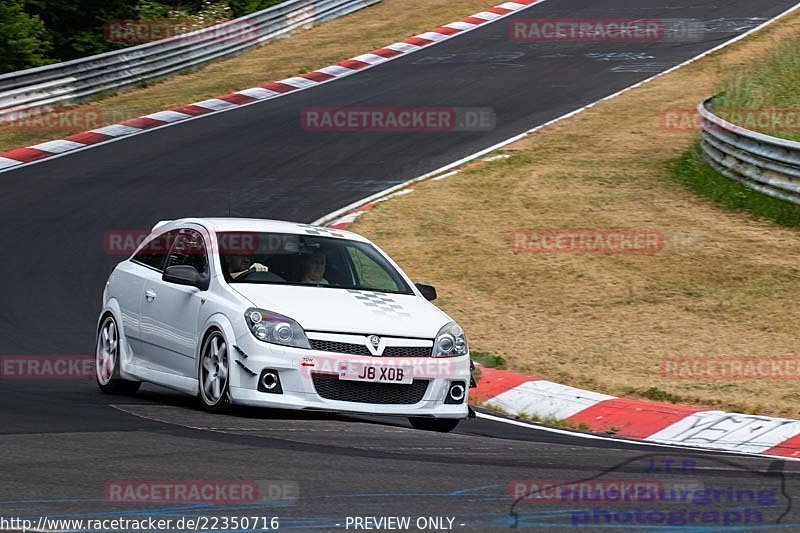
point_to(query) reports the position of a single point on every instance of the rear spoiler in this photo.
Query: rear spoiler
(159, 224)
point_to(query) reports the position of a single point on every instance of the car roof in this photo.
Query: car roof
(225, 224)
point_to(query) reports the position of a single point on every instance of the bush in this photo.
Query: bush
(23, 38)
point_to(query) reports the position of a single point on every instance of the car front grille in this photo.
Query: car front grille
(360, 349)
(407, 351)
(330, 387)
(339, 347)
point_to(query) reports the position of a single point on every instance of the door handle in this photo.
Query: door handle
(150, 295)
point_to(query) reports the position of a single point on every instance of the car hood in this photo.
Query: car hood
(348, 311)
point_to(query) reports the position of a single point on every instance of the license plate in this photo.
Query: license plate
(352, 371)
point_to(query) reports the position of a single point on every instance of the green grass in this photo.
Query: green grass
(694, 171)
(490, 360)
(557, 422)
(770, 83)
(656, 394)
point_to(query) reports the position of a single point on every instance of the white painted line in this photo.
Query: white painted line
(259, 93)
(591, 436)
(405, 48)
(463, 26)
(117, 130)
(59, 146)
(372, 59)
(433, 36)
(486, 15)
(168, 116)
(446, 175)
(546, 399)
(717, 429)
(216, 104)
(348, 219)
(5, 162)
(336, 70)
(300, 83)
(513, 6)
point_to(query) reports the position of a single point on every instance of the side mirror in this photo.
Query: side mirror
(428, 291)
(186, 275)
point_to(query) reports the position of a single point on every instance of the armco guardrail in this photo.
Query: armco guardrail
(767, 164)
(28, 90)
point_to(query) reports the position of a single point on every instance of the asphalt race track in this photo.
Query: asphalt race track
(63, 441)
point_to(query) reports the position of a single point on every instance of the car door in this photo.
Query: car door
(127, 286)
(170, 312)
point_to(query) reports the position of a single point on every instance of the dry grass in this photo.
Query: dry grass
(604, 322)
(326, 44)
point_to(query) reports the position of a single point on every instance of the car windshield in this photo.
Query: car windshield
(291, 259)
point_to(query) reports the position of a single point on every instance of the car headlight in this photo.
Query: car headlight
(450, 342)
(276, 329)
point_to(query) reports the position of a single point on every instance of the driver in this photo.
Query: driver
(314, 269)
(240, 264)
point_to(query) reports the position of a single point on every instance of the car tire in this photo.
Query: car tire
(213, 372)
(107, 360)
(442, 425)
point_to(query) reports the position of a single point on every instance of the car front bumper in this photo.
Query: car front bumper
(309, 380)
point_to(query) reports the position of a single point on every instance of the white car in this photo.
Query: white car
(280, 314)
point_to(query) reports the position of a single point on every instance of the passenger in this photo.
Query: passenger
(314, 269)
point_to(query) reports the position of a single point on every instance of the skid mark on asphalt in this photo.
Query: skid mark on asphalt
(194, 419)
(357, 434)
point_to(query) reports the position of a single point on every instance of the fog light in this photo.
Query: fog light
(270, 382)
(456, 393)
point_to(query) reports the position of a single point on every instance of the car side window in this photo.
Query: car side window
(189, 249)
(369, 273)
(154, 253)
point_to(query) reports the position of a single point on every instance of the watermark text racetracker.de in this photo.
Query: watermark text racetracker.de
(732, 368)
(604, 30)
(397, 119)
(137, 31)
(587, 241)
(604, 241)
(212, 492)
(72, 119)
(760, 119)
(46, 367)
(125, 242)
(146, 523)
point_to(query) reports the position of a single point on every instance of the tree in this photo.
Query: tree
(76, 26)
(24, 42)
(34, 32)
(244, 7)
